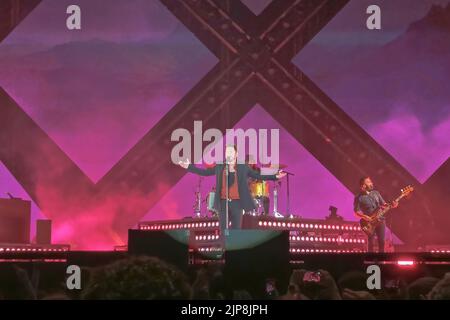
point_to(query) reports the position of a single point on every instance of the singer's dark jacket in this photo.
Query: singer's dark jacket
(243, 171)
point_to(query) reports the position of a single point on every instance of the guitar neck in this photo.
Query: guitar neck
(400, 197)
(382, 212)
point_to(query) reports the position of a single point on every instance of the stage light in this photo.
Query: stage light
(405, 263)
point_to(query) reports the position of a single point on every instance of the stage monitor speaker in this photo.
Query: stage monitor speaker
(255, 266)
(44, 231)
(170, 246)
(15, 216)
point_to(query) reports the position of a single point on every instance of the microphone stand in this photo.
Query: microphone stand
(227, 168)
(276, 214)
(226, 196)
(198, 199)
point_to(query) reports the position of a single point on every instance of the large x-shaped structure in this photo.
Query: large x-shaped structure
(254, 66)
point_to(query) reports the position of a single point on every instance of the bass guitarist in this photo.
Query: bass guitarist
(367, 202)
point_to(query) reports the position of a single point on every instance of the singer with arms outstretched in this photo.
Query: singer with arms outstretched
(239, 197)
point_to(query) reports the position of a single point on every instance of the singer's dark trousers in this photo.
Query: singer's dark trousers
(235, 211)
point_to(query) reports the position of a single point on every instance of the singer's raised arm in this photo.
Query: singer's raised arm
(202, 172)
(255, 175)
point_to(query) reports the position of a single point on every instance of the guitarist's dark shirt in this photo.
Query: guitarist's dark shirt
(368, 203)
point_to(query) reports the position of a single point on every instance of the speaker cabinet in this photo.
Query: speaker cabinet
(15, 215)
(44, 231)
(170, 246)
(253, 268)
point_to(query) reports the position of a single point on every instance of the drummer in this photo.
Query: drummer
(250, 161)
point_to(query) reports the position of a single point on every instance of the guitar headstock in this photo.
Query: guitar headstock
(407, 190)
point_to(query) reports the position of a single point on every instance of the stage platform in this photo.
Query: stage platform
(331, 235)
(269, 248)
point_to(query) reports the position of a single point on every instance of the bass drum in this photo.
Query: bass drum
(259, 189)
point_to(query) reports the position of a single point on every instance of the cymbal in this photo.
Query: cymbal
(274, 166)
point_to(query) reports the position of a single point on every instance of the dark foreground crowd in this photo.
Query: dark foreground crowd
(150, 278)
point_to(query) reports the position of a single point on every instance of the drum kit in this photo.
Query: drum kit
(260, 191)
